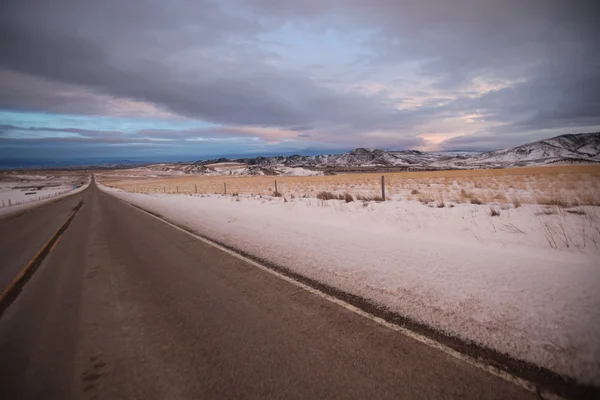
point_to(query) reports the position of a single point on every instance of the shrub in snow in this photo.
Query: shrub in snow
(326, 196)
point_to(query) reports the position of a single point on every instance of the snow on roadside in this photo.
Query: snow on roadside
(48, 195)
(29, 193)
(458, 270)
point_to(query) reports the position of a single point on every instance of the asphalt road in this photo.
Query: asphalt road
(23, 234)
(127, 307)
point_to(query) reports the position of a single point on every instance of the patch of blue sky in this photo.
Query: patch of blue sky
(95, 123)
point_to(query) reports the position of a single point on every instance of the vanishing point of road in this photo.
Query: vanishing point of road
(125, 306)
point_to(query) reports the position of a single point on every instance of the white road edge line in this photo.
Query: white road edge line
(420, 338)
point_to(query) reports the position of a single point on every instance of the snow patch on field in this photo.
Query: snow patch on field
(494, 280)
(9, 194)
(19, 196)
(298, 171)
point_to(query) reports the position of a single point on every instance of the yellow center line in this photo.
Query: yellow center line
(8, 295)
(55, 243)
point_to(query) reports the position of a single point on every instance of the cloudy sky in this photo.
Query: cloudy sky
(187, 79)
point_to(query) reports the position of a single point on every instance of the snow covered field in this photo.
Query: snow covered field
(9, 195)
(21, 191)
(525, 282)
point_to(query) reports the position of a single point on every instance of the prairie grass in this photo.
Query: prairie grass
(326, 196)
(554, 200)
(347, 197)
(560, 186)
(424, 198)
(475, 200)
(465, 195)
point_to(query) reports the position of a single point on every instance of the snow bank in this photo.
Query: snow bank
(493, 280)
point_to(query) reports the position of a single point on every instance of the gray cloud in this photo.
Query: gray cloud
(208, 60)
(80, 132)
(25, 92)
(547, 51)
(143, 135)
(301, 128)
(87, 140)
(226, 84)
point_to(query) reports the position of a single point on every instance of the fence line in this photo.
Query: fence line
(376, 188)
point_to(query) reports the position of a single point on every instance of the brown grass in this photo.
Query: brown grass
(465, 195)
(587, 199)
(326, 196)
(556, 185)
(425, 199)
(555, 200)
(347, 197)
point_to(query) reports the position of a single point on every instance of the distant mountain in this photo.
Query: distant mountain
(582, 147)
(355, 158)
(571, 148)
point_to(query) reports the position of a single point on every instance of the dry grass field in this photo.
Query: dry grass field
(554, 186)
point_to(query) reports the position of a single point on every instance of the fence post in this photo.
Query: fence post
(275, 185)
(195, 188)
(177, 189)
(225, 187)
(382, 188)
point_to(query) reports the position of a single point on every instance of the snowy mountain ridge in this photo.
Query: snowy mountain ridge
(567, 149)
(583, 147)
(571, 147)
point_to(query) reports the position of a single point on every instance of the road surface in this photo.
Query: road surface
(23, 234)
(128, 307)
